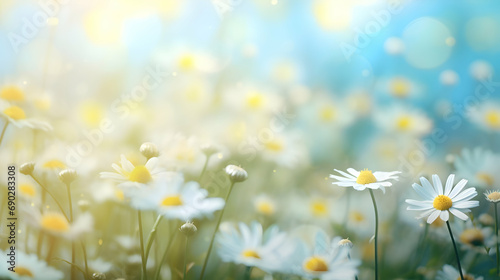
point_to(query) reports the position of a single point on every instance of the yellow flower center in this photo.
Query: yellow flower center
(366, 177)
(442, 202)
(265, 207)
(319, 208)
(27, 190)
(23, 271)
(493, 119)
(12, 93)
(54, 223)
(274, 145)
(120, 195)
(250, 254)
(54, 164)
(327, 113)
(494, 196)
(357, 216)
(400, 87)
(472, 236)
(140, 174)
(486, 178)
(404, 123)
(315, 264)
(174, 200)
(255, 100)
(186, 62)
(15, 113)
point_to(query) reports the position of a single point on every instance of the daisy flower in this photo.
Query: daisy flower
(56, 224)
(253, 247)
(129, 175)
(479, 166)
(441, 202)
(403, 121)
(28, 267)
(486, 115)
(449, 272)
(360, 180)
(175, 199)
(326, 260)
(17, 116)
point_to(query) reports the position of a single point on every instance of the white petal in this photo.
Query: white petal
(458, 214)
(456, 190)
(466, 204)
(382, 176)
(342, 179)
(428, 187)
(426, 213)
(433, 216)
(418, 203)
(438, 186)
(344, 184)
(345, 174)
(359, 187)
(353, 172)
(421, 191)
(419, 208)
(449, 184)
(126, 164)
(468, 193)
(445, 215)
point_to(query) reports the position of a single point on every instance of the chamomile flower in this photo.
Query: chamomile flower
(17, 117)
(493, 196)
(441, 202)
(12, 93)
(475, 237)
(403, 120)
(253, 247)
(479, 166)
(486, 115)
(449, 272)
(129, 175)
(363, 179)
(28, 266)
(175, 199)
(56, 224)
(326, 260)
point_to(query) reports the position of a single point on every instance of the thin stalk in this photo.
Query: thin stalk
(496, 234)
(204, 168)
(248, 272)
(47, 191)
(73, 257)
(215, 232)
(164, 257)
(349, 257)
(84, 251)
(3, 130)
(151, 238)
(185, 258)
(376, 233)
(456, 250)
(52, 247)
(141, 239)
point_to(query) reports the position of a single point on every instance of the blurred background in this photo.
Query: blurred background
(289, 90)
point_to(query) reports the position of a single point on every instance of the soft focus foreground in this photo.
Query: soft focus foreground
(235, 139)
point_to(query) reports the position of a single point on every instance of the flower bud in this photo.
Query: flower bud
(236, 173)
(149, 150)
(188, 229)
(345, 243)
(67, 176)
(27, 168)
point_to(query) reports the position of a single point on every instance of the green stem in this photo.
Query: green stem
(84, 250)
(47, 191)
(496, 234)
(151, 238)
(215, 231)
(376, 233)
(3, 130)
(185, 258)
(73, 257)
(204, 168)
(164, 257)
(456, 250)
(248, 272)
(141, 239)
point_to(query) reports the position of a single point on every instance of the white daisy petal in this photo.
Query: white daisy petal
(463, 195)
(353, 172)
(445, 215)
(433, 216)
(345, 174)
(341, 178)
(438, 186)
(456, 190)
(466, 204)
(458, 213)
(428, 187)
(420, 190)
(449, 184)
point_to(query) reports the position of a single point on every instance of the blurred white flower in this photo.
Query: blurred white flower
(129, 175)
(403, 121)
(449, 272)
(27, 266)
(479, 166)
(17, 116)
(486, 115)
